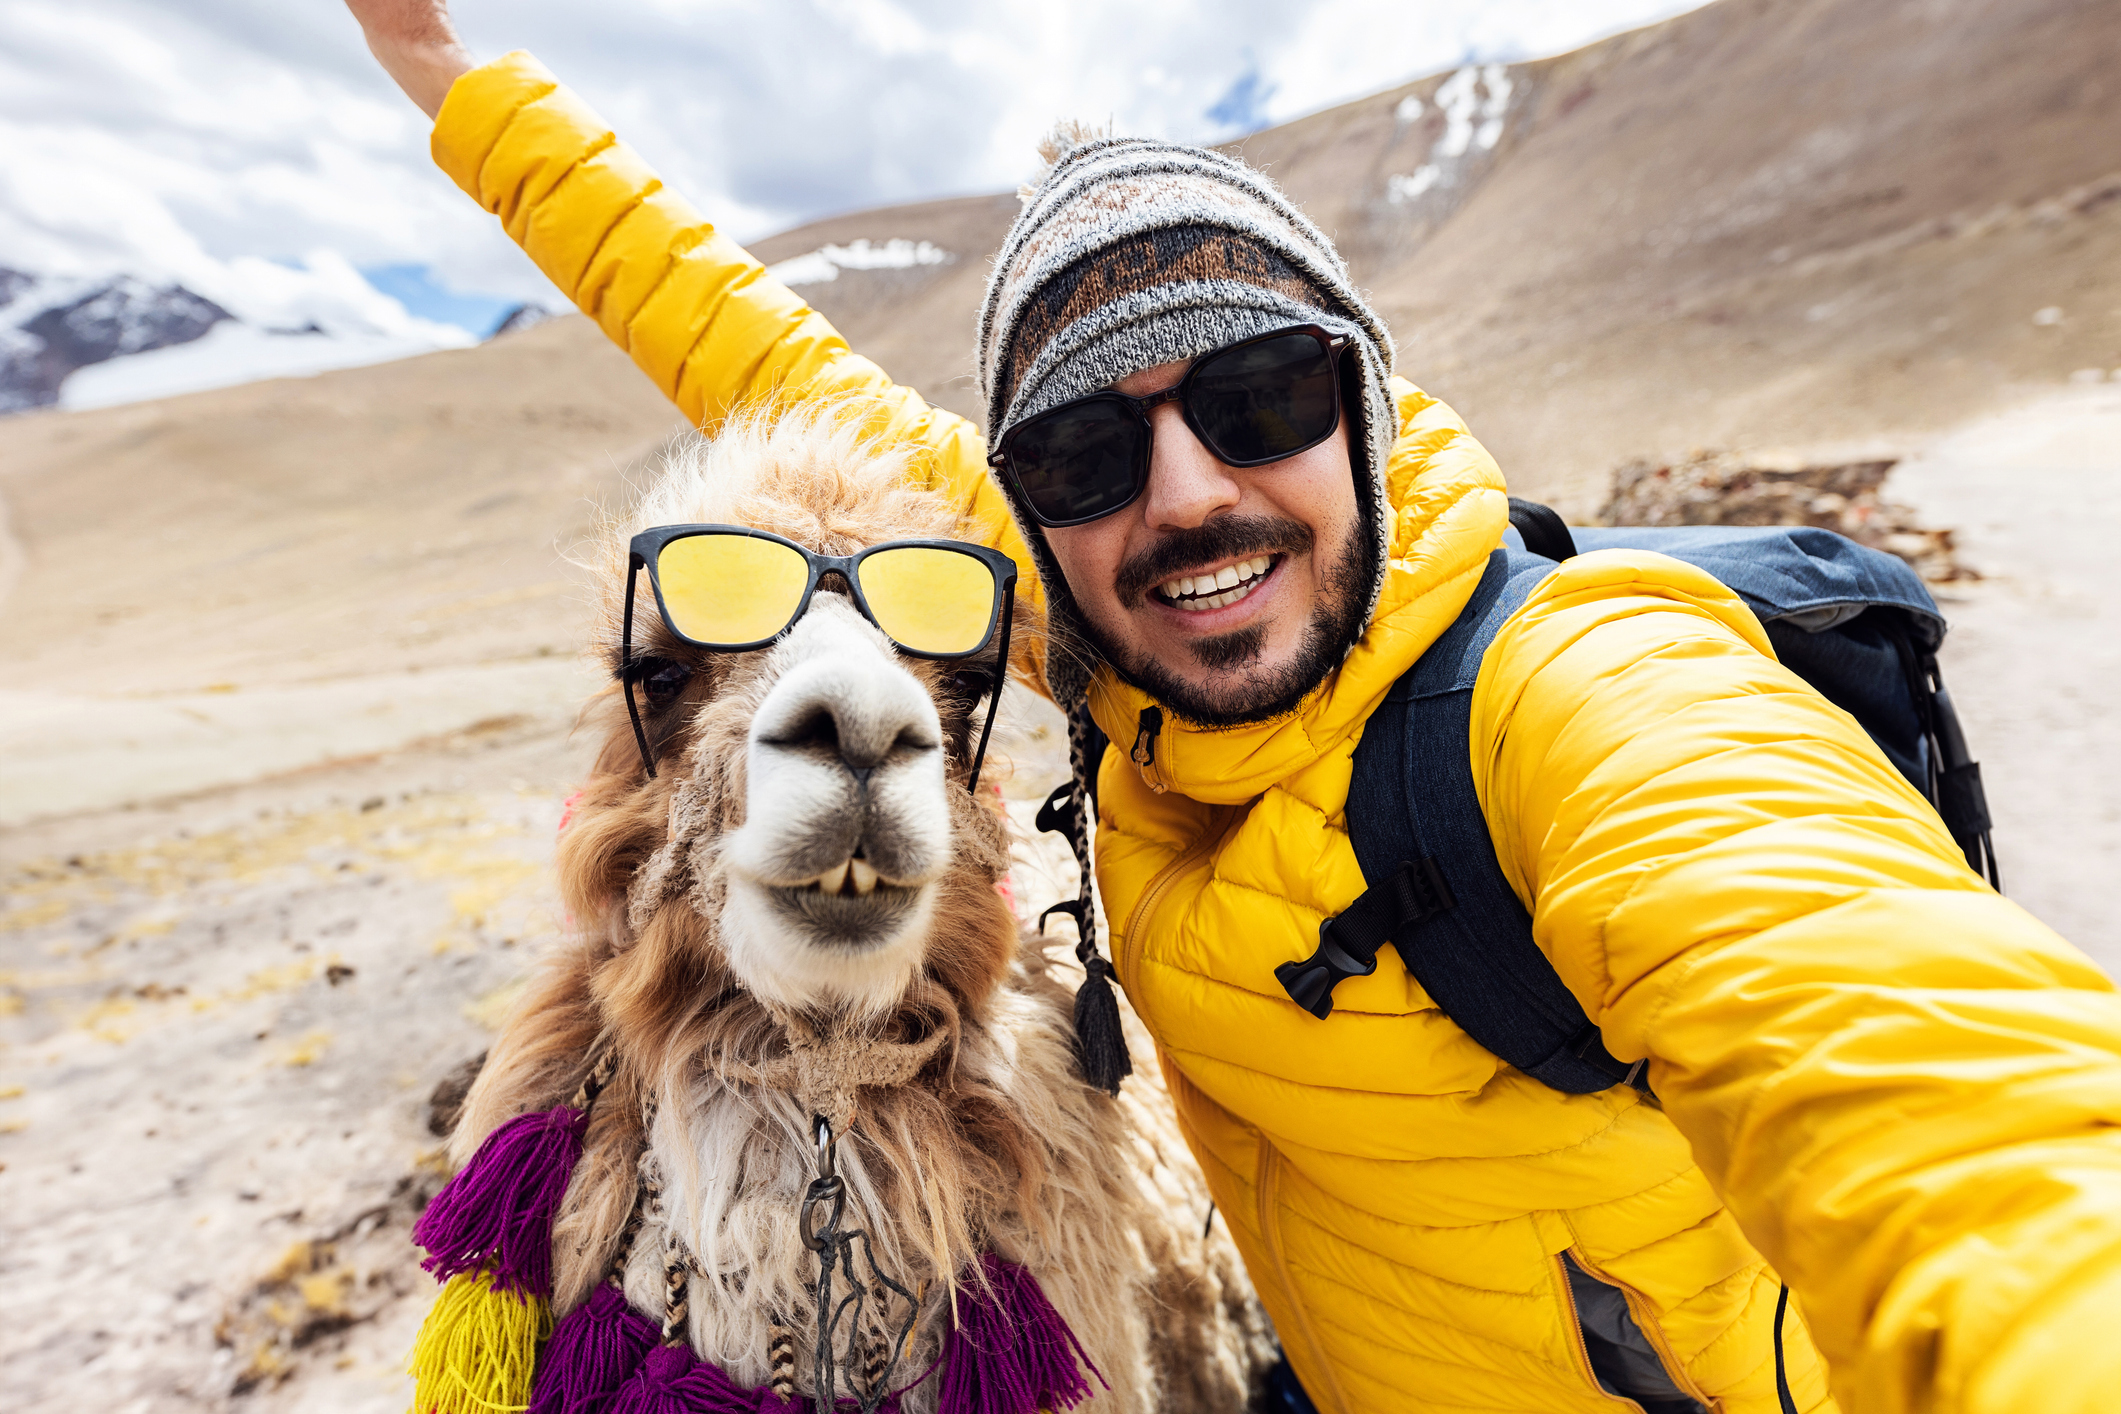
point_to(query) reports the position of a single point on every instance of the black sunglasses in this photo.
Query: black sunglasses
(1256, 401)
(729, 588)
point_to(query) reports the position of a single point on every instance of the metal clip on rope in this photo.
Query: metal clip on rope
(827, 1194)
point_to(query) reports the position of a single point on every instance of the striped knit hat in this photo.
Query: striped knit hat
(1130, 253)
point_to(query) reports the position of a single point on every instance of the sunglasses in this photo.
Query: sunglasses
(1253, 402)
(730, 589)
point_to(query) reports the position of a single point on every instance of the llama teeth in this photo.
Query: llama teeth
(832, 879)
(864, 875)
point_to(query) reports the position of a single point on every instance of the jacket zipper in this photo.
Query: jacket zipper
(1638, 1309)
(1266, 1187)
(1145, 911)
(1266, 1181)
(1583, 1347)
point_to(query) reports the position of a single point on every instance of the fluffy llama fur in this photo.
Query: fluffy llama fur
(997, 1145)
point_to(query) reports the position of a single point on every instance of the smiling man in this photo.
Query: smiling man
(1865, 1063)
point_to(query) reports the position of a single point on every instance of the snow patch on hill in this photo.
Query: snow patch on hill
(826, 262)
(232, 353)
(1474, 104)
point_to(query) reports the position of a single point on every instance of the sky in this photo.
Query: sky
(252, 150)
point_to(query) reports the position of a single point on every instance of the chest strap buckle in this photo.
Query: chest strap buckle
(1348, 942)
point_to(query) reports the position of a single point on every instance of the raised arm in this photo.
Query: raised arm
(690, 306)
(1906, 1088)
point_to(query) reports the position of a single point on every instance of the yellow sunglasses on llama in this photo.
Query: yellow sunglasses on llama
(729, 589)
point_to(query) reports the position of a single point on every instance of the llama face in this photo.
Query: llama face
(832, 875)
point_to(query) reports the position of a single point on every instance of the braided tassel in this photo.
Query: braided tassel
(1100, 1041)
(592, 1351)
(780, 1359)
(497, 1214)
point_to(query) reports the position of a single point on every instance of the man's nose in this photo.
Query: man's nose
(1188, 484)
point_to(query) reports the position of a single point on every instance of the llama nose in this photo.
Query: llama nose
(846, 761)
(845, 700)
(864, 730)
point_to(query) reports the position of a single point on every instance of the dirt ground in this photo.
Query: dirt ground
(2033, 659)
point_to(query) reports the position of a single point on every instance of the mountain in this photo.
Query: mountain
(49, 328)
(1762, 223)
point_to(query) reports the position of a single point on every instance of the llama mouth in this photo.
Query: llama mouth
(1214, 589)
(847, 918)
(855, 877)
(851, 903)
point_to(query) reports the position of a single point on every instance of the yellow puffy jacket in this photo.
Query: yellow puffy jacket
(1895, 1083)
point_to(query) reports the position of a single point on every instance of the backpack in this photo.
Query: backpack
(1855, 623)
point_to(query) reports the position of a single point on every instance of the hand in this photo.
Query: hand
(416, 45)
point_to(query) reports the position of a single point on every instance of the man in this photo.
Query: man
(1870, 1067)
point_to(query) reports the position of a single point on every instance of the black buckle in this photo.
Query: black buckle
(1348, 942)
(1310, 983)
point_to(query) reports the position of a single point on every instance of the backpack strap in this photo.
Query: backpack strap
(1542, 529)
(1436, 891)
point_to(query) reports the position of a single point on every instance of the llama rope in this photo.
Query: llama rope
(824, 1206)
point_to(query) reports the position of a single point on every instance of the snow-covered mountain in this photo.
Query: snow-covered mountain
(81, 341)
(51, 327)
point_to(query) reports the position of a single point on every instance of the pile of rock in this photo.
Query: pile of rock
(1775, 488)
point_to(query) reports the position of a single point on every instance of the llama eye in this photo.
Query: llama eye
(662, 681)
(972, 683)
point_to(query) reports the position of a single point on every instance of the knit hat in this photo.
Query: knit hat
(1130, 253)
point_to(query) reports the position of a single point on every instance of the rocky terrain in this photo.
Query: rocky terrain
(288, 671)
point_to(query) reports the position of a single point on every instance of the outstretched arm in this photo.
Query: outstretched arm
(688, 305)
(416, 45)
(1907, 1090)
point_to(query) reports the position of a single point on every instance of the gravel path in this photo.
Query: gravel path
(2034, 654)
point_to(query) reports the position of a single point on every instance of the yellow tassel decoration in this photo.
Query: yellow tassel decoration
(475, 1350)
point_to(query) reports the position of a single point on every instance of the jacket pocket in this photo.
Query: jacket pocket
(1624, 1360)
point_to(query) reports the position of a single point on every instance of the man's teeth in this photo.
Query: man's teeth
(1196, 592)
(858, 872)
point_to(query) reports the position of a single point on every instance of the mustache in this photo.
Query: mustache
(1224, 538)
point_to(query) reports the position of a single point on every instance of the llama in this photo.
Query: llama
(795, 918)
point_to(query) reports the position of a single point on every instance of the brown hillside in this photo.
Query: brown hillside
(405, 516)
(1765, 222)
(1768, 222)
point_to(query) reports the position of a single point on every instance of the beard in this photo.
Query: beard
(1238, 697)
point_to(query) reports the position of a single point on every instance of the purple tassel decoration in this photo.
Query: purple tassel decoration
(498, 1212)
(1011, 1353)
(672, 1380)
(592, 1351)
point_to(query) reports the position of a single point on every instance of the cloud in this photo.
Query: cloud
(207, 141)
